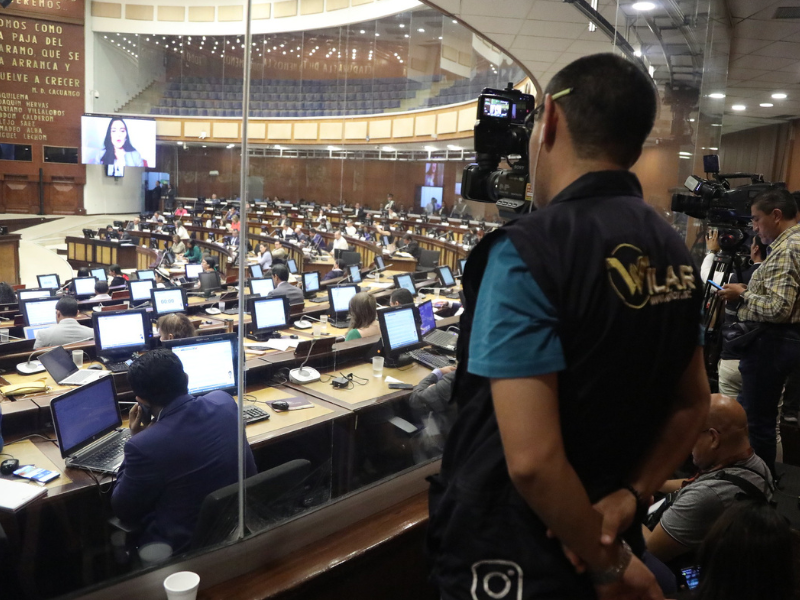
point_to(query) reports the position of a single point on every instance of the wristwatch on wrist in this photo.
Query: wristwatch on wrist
(615, 571)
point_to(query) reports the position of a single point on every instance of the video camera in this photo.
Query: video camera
(726, 209)
(500, 134)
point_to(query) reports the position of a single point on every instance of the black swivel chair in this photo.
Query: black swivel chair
(351, 258)
(270, 497)
(428, 260)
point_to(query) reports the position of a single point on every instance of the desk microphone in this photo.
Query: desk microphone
(372, 274)
(31, 367)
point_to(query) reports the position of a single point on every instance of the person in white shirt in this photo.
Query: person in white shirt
(100, 292)
(181, 230)
(350, 229)
(288, 233)
(339, 243)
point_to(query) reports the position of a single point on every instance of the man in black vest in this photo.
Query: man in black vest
(580, 382)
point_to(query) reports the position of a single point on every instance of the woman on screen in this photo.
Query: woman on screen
(118, 147)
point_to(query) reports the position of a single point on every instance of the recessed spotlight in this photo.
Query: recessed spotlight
(738, 107)
(717, 95)
(691, 120)
(377, 34)
(402, 25)
(421, 30)
(637, 53)
(766, 105)
(716, 124)
(712, 148)
(643, 6)
(685, 153)
(779, 96)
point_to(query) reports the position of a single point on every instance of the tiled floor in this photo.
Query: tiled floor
(38, 245)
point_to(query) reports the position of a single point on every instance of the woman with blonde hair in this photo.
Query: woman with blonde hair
(363, 317)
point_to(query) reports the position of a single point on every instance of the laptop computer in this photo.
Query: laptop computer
(88, 427)
(58, 363)
(427, 328)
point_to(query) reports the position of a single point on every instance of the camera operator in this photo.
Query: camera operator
(580, 383)
(771, 299)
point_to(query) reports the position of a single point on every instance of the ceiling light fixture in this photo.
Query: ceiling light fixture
(779, 96)
(717, 95)
(643, 6)
(738, 107)
(766, 105)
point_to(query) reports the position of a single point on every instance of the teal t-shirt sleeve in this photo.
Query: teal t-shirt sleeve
(514, 331)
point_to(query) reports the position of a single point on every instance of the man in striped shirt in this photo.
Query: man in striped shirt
(770, 298)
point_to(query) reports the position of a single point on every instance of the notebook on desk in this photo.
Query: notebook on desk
(88, 427)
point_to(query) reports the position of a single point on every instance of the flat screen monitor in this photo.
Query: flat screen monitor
(193, 271)
(427, 322)
(115, 170)
(99, 273)
(256, 272)
(339, 298)
(269, 314)
(292, 266)
(121, 332)
(166, 301)
(445, 276)
(399, 329)
(385, 240)
(210, 281)
(33, 293)
(84, 286)
(311, 282)
(380, 263)
(30, 332)
(355, 273)
(261, 287)
(462, 264)
(39, 312)
(140, 290)
(101, 136)
(208, 361)
(48, 281)
(430, 195)
(405, 281)
(146, 274)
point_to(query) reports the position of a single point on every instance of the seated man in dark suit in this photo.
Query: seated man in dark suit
(411, 246)
(173, 462)
(280, 276)
(336, 272)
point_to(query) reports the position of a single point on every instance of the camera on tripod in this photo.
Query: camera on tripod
(724, 208)
(500, 134)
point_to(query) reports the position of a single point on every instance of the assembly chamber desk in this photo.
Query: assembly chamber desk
(346, 434)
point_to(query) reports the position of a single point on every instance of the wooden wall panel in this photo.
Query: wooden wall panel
(19, 196)
(762, 150)
(63, 198)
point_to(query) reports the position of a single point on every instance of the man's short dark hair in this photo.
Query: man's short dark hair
(611, 109)
(778, 198)
(158, 377)
(67, 306)
(402, 296)
(101, 287)
(280, 271)
(115, 269)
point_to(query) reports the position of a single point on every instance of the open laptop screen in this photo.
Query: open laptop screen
(427, 320)
(85, 414)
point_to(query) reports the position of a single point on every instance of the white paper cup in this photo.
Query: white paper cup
(182, 585)
(154, 554)
(77, 358)
(3, 335)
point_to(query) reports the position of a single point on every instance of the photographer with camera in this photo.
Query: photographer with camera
(580, 383)
(771, 300)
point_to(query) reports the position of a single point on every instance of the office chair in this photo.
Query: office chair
(428, 260)
(351, 258)
(267, 495)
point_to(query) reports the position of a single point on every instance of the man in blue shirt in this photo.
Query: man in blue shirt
(173, 462)
(580, 382)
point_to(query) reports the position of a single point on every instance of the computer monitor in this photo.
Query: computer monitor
(169, 300)
(310, 283)
(385, 240)
(32, 293)
(268, 315)
(100, 273)
(261, 287)
(120, 333)
(146, 274)
(84, 286)
(292, 266)
(140, 290)
(193, 271)
(256, 272)
(462, 263)
(379, 263)
(405, 281)
(427, 322)
(351, 258)
(49, 281)
(39, 312)
(445, 276)
(30, 332)
(208, 361)
(355, 273)
(210, 281)
(399, 332)
(339, 298)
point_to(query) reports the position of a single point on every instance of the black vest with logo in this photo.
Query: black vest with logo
(628, 302)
